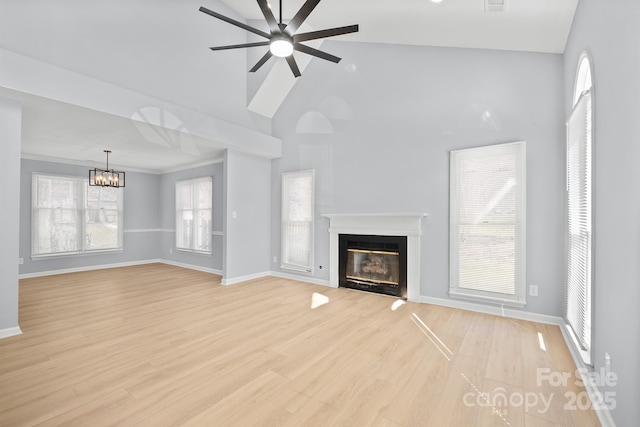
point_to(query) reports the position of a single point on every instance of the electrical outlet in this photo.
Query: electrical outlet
(20, 261)
(275, 259)
(607, 364)
(533, 290)
(170, 250)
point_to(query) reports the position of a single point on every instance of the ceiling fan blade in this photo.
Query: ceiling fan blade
(268, 16)
(315, 52)
(261, 62)
(313, 35)
(236, 46)
(302, 14)
(234, 22)
(293, 65)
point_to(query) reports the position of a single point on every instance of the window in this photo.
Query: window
(583, 78)
(487, 224)
(70, 217)
(193, 215)
(579, 212)
(297, 220)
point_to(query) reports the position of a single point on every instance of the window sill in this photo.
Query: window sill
(192, 252)
(585, 355)
(306, 270)
(487, 299)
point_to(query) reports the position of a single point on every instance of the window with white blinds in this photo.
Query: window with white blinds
(579, 222)
(194, 215)
(487, 224)
(297, 220)
(70, 217)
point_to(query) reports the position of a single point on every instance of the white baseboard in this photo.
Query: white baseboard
(604, 416)
(117, 265)
(279, 274)
(311, 280)
(495, 310)
(234, 280)
(190, 266)
(87, 268)
(10, 332)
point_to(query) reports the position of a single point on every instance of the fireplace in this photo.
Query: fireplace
(373, 263)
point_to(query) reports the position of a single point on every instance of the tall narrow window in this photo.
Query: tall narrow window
(579, 212)
(193, 215)
(70, 217)
(297, 220)
(487, 224)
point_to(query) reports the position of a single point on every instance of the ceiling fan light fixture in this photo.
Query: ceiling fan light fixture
(281, 46)
(282, 38)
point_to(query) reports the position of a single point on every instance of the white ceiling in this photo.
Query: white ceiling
(57, 131)
(159, 48)
(526, 25)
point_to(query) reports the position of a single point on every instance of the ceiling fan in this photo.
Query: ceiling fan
(282, 38)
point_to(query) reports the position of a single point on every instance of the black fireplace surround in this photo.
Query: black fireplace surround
(373, 263)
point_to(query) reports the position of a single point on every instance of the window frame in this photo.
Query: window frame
(195, 213)
(81, 208)
(519, 297)
(284, 259)
(584, 78)
(583, 91)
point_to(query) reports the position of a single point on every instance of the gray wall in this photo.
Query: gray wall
(247, 238)
(140, 212)
(396, 112)
(168, 208)
(149, 219)
(609, 31)
(10, 137)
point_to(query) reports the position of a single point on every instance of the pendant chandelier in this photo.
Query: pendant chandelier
(106, 177)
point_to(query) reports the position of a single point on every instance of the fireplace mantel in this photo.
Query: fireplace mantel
(381, 224)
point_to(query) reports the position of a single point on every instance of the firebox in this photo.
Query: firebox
(373, 263)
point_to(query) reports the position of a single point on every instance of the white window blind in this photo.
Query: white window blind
(70, 217)
(297, 220)
(579, 227)
(487, 224)
(194, 201)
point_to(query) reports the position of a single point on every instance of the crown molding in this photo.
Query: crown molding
(91, 163)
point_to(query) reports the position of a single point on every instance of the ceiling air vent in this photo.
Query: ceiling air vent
(495, 5)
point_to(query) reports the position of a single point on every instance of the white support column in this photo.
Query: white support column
(10, 129)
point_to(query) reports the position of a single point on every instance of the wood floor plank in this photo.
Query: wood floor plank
(160, 345)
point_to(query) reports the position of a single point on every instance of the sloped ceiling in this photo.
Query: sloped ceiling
(525, 25)
(159, 49)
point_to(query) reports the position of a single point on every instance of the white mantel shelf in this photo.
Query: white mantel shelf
(379, 224)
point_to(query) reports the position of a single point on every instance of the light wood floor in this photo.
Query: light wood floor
(157, 345)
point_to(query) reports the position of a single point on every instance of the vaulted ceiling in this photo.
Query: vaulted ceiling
(160, 49)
